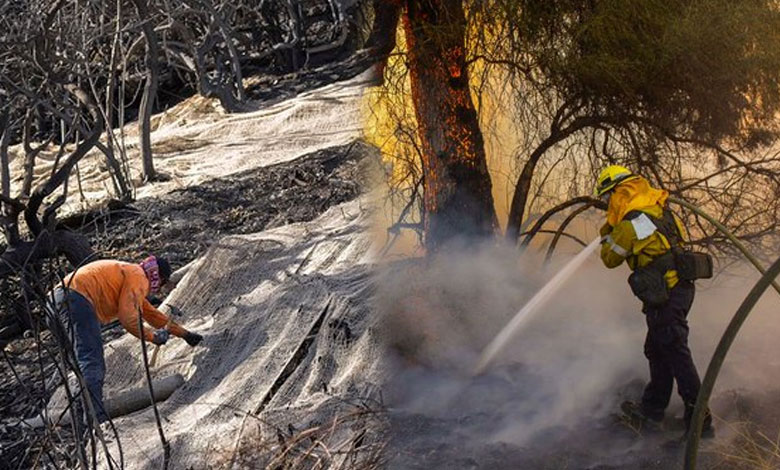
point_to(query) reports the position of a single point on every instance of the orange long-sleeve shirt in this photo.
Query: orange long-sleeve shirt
(118, 290)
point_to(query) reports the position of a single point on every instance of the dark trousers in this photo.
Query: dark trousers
(82, 330)
(666, 348)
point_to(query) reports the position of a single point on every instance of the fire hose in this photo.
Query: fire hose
(719, 355)
(716, 362)
(733, 239)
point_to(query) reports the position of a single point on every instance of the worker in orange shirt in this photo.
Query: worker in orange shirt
(102, 291)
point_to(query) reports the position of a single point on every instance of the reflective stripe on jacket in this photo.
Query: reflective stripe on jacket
(635, 239)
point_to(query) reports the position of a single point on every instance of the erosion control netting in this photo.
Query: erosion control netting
(289, 344)
(195, 141)
(184, 223)
(288, 339)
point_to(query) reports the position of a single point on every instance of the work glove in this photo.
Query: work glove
(605, 230)
(154, 300)
(193, 339)
(161, 337)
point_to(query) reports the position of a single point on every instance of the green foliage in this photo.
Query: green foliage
(705, 68)
(712, 66)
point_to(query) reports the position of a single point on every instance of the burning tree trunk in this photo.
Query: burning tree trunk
(457, 186)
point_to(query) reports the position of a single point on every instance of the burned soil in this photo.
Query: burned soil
(456, 432)
(552, 402)
(182, 224)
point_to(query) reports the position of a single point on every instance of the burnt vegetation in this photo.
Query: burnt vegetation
(75, 76)
(185, 222)
(685, 93)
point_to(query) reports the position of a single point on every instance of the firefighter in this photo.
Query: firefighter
(100, 292)
(641, 231)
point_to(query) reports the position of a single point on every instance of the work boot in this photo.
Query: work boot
(637, 417)
(707, 429)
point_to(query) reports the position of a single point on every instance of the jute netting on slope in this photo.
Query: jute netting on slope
(257, 299)
(195, 141)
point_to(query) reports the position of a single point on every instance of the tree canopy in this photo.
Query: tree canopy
(706, 68)
(685, 92)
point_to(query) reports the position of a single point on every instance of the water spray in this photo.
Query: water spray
(509, 331)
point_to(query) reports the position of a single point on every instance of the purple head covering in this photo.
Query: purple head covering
(152, 271)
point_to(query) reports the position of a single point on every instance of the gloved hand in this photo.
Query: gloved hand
(193, 339)
(161, 337)
(605, 230)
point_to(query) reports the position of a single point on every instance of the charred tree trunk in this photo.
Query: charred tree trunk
(296, 29)
(115, 169)
(150, 91)
(235, 59)
(216, 89)
(119, 172)
(382, 39)
(10, 227)
(457, 187)
(30, 154)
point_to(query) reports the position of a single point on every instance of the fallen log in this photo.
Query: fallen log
(137, 399)
(120, 404)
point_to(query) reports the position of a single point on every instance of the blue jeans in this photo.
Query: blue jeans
(83, 330)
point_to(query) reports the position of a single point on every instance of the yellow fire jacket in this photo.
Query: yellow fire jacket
(636, 241)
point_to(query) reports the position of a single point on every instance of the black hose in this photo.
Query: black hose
(722, 229)
(694, 433)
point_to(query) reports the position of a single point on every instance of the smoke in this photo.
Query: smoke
(754, 358)
(564, 375)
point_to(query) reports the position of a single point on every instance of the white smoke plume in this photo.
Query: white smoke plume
(568, 369)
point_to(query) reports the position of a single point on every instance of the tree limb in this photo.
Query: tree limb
(560, 207)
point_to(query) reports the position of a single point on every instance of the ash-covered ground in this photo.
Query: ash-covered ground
(552, 400)
(459, 430)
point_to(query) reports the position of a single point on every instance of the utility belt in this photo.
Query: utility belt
(649, 284)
